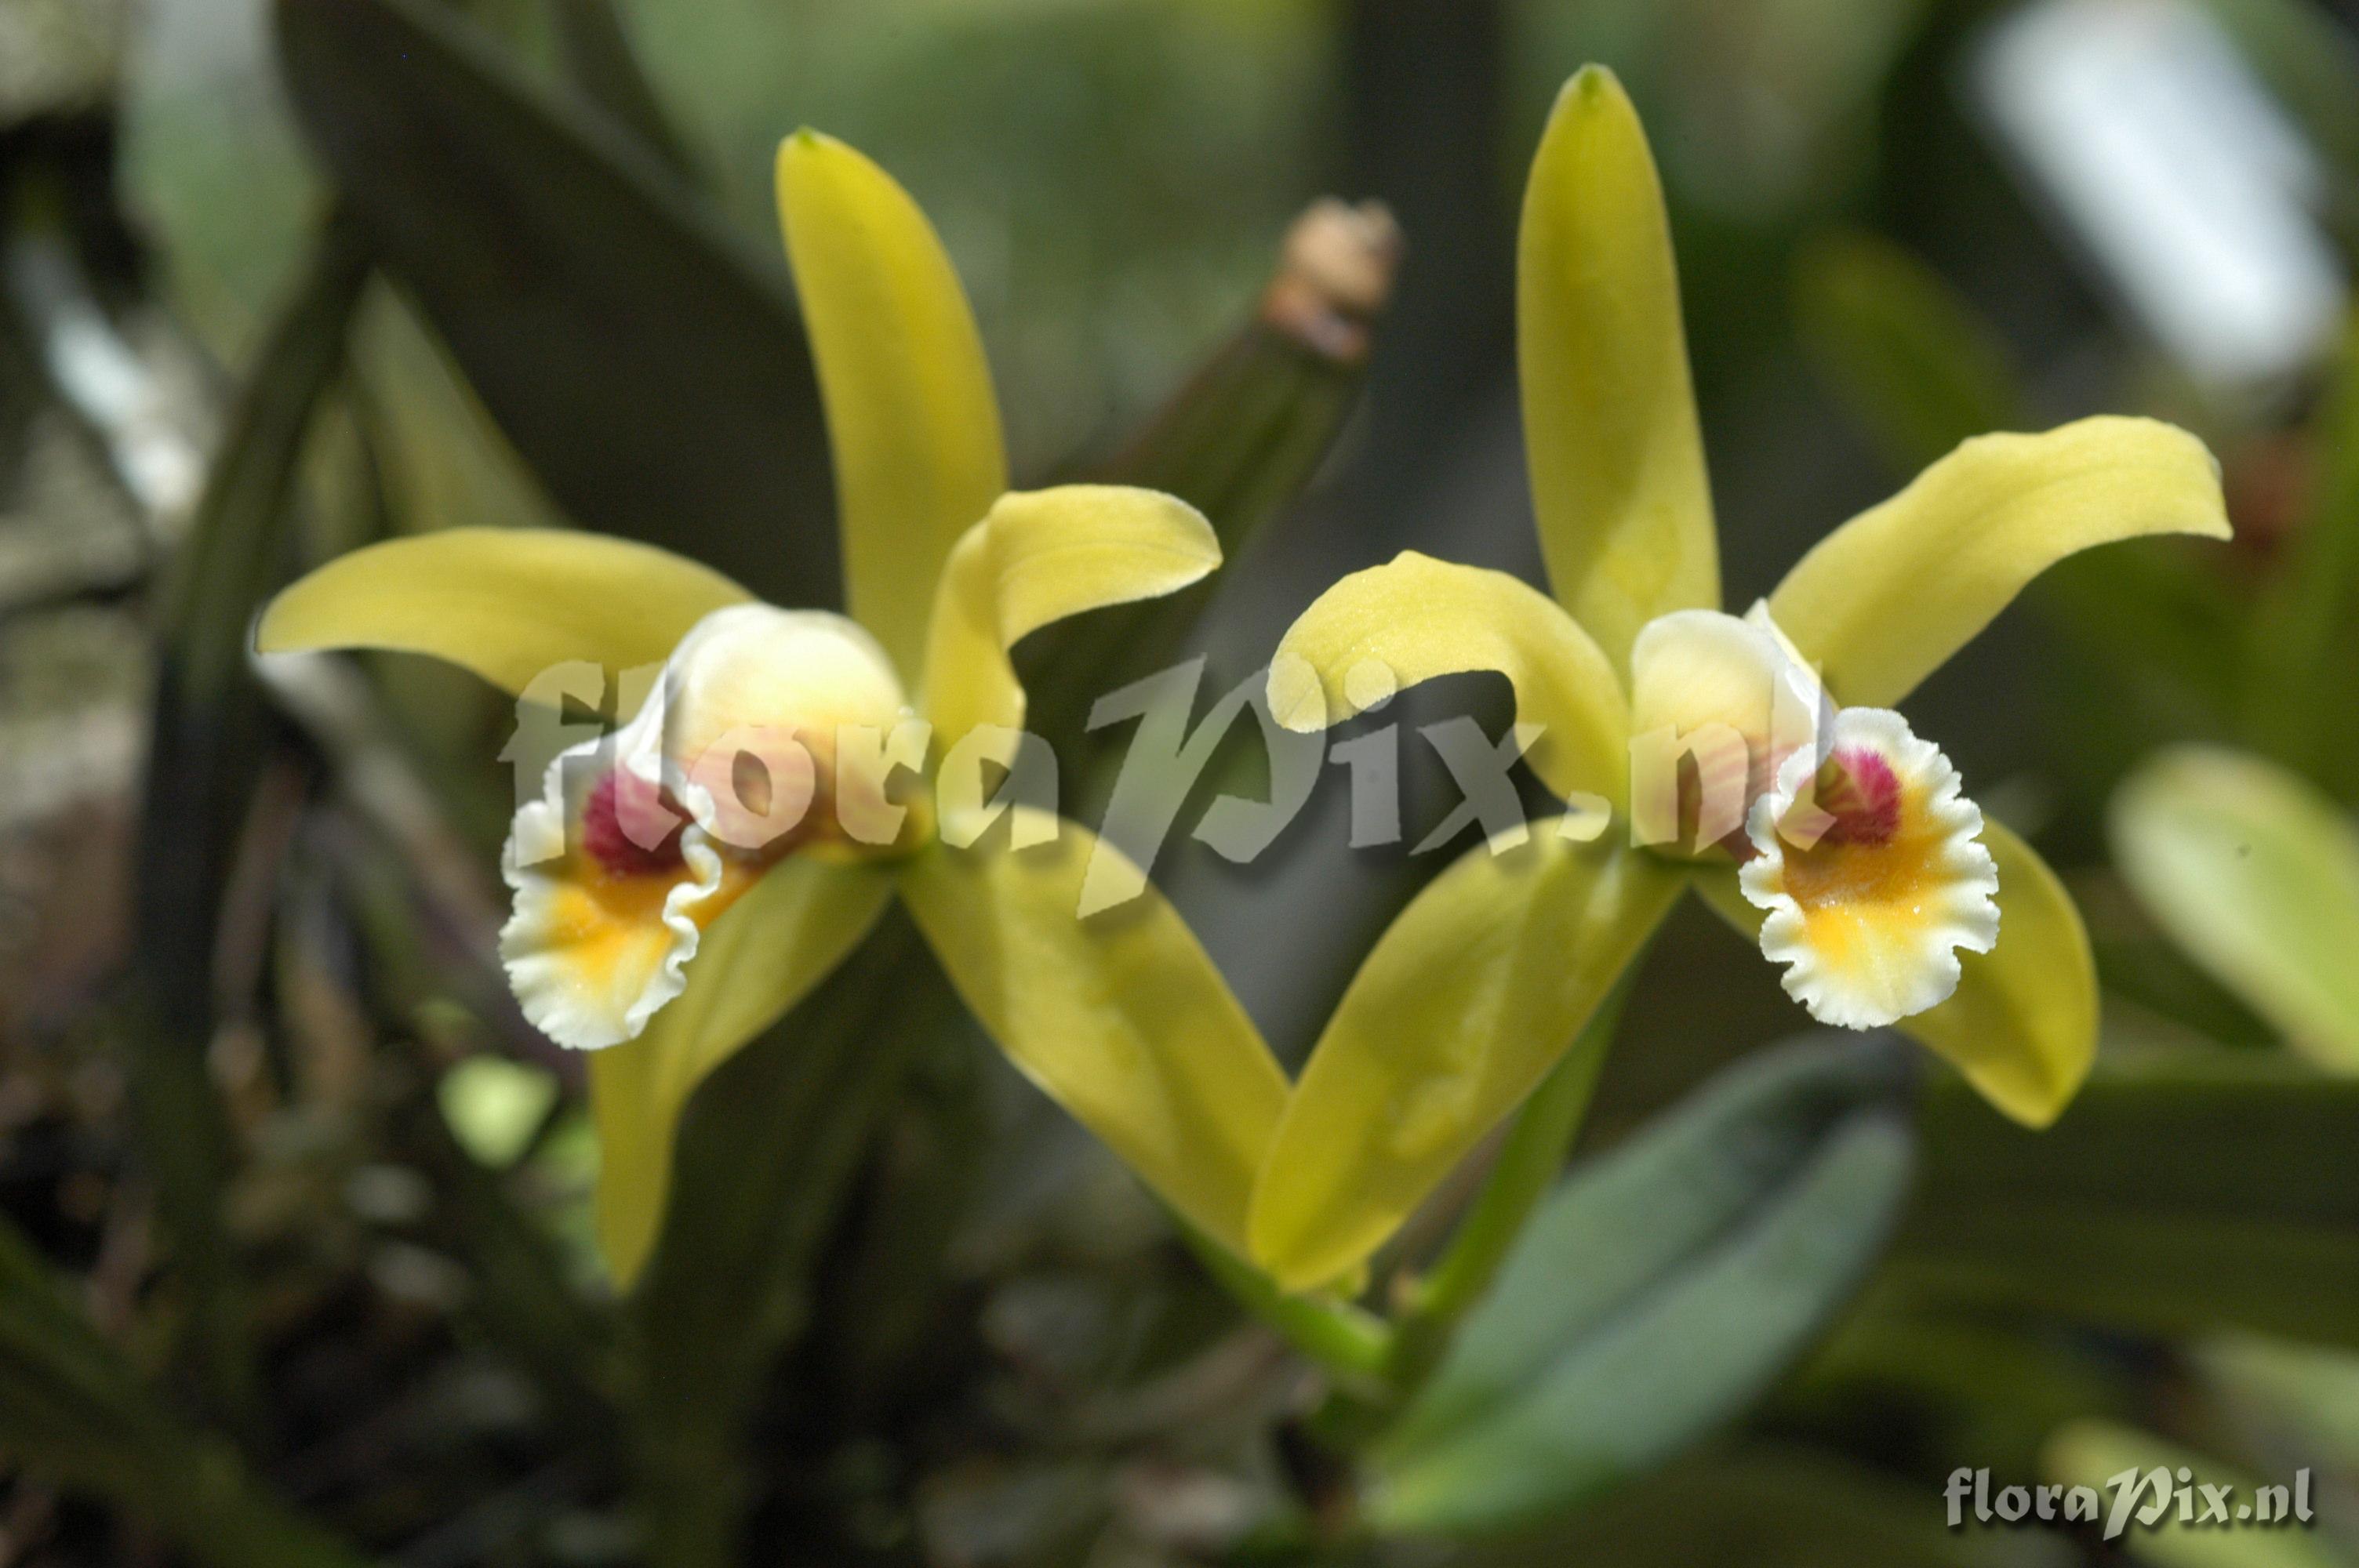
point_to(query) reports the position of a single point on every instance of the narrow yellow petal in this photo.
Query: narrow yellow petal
(1121, 1018)
(506, 603)
(1885, 600)
(757, 960)
(2254, 872)
(1618, 466)
(1459, 1011)
(2022, 1025)
(911, 419)
(1039, 557)
(1415, 618)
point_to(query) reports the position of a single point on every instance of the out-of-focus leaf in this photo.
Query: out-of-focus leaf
(72, 1407)
(2211, 1190)
(1656, 1294)
(599, 57)
(1767, 1507)
(648, 367)
(2256, 873)
(2305, 655)
(1909, 358)
(204, 756)
(2092, 1453)
(2311, 1391)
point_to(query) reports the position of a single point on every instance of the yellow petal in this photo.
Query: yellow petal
(757, 960)
(2022, 1025)
(1884, 600)
(1416, 618)
(1121, 1018)
(1039, 557)
(911, 420)
(1609, 420)
(1459, 1011)
(507, 603)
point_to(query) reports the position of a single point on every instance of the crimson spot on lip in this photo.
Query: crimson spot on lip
(1860, 790)
(604, 834)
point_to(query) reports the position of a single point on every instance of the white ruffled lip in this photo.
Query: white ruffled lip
(575, 995)
(1866, 962)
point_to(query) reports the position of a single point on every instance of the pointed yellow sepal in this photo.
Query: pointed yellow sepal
(1618, 466)
(911, 418)
(507, 603)
(1121, 1018)
(783, 937)
(1461, 1009)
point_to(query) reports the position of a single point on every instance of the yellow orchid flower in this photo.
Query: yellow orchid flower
(668, 909)
(1833, 833)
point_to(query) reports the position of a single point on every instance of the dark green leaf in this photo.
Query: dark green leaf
(1656, 1294)
(205, 755)
(599, 56)
(2206, 1192)
(1910, 360)
(645, 363)
(72, 1407)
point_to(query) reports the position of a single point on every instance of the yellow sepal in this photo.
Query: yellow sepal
(783, 937)
(1039, 557)
(911, 419)
(1121, 1018)
(1462, 1007)
(1416, 618)
(1885, 600)
(507, 603)
(1618, 466)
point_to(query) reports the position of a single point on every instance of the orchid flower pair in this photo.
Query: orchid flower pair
(650, 926)
(657, 926)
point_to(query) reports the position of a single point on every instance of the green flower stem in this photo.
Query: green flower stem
(1348, 1340)
(1528, 1161)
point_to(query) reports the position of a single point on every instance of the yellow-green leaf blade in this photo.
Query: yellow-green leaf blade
(1415, 618)
(1121, 1018)
(763, 956)
(911, 419)
(1617, 467)
(2255, 874)
(1039, 557)
(507, 603)
(1885, 600)
(1462, 1007)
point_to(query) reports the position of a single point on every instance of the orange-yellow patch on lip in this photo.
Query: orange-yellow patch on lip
(1868, 916)
(607, 927)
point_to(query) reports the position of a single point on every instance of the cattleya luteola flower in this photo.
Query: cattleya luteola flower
(670, 901)
(1809, 815)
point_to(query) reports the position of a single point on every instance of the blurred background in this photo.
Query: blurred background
(297, 1264)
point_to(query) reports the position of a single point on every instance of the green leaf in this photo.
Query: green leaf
(1916, 364)
(599, 57)
(2214, 1190)
(645, 363)
(2256, 873)
(2092, 1452)
(1656, 1294)
(72, 1407)
(205, 755)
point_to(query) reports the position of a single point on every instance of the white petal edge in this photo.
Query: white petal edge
(1966, 910)
(532, 948)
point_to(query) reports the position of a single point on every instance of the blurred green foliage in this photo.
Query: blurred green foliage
(296, 1269)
